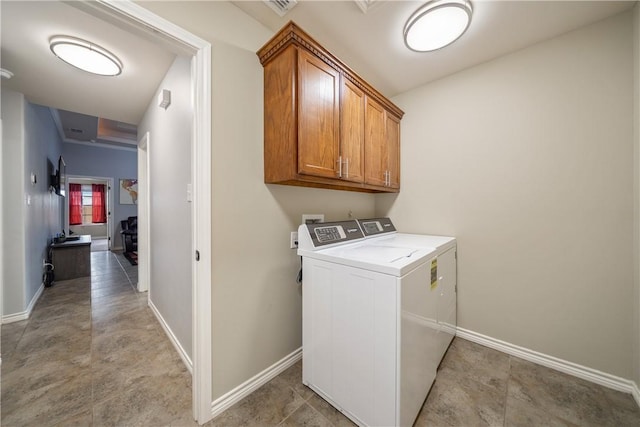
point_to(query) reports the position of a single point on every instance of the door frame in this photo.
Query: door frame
(110, 203)
(1, 240)
(144, 228)
(140, 19)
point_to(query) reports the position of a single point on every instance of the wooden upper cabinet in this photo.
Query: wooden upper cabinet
(280, 117)
(382, 140)
(352, 132)
(324, 126)
(375, 141)
(318, 117)
(392, 136)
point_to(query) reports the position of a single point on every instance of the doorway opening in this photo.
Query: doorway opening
(85, 219)
(139, 19)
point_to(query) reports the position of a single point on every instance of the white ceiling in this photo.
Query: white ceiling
(26, 27)
(372, 44)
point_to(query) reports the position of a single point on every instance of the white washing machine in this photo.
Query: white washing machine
(379, 312)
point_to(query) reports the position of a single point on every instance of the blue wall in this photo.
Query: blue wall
(44, 213)
(85, 160)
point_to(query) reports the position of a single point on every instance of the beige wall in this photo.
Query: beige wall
(256, 303)
(169, 255)
(527, 159)
(213, 21)
(636, 192)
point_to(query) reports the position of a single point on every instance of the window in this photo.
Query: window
(87, 204)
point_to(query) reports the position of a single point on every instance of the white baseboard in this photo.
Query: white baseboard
(24, 315)
(589, 374)
(174, 340)
(227, 400)
(636, 393)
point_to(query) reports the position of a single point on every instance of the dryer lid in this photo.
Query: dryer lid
(375, 253)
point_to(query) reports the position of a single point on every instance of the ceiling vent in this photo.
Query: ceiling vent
(281, 7)
(366, 5)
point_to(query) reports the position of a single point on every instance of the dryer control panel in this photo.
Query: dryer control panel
(329, 233)
(375, 226)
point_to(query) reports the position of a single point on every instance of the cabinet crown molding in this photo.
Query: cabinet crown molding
(292, 34)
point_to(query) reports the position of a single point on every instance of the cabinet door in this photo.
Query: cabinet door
(318, 117)
(352, 131)
(392, 136)
(375, 153)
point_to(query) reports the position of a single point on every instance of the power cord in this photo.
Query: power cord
(48, 276)
(299, 278)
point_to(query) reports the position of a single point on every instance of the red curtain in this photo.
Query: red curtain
(75, 204)
(98, 208)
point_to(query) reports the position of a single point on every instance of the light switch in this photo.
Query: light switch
(164, 98)
(189, 193)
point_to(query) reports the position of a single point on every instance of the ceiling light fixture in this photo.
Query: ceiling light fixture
(85, 55)
(5, 74)
(437, 24)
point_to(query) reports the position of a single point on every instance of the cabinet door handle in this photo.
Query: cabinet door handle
(346, 164)
(339, 166)
(388, 178)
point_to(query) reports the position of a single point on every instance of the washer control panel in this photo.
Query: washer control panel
(328, 233)
(374, 226)
(333, 233)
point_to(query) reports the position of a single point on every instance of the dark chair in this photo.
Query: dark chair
(129, 234)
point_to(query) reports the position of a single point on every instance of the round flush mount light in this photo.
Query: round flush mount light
(85, 55)
(5, 74)
(437, 24)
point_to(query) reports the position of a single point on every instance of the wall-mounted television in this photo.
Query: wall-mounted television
(59, 180)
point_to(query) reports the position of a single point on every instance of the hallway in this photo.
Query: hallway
(93, 353)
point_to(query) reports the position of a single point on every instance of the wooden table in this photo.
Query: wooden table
(72, 258)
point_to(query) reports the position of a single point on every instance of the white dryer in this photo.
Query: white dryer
(378, 315)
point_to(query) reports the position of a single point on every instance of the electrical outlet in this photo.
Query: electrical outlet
(293, 243)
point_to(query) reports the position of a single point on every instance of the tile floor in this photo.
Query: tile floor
(93, 354)
(475, 386)
(98, 245)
